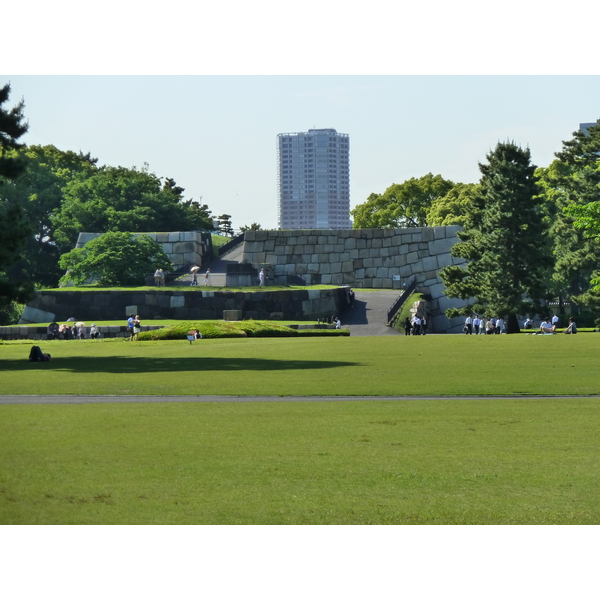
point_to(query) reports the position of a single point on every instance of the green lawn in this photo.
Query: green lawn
(373, 366)
(378, 462)
(465, 461)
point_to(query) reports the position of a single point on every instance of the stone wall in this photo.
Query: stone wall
(89, 306)
(184, 248)
(363, 258)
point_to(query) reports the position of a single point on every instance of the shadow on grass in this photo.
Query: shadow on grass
(126, 364)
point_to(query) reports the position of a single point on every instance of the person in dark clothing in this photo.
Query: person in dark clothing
(407, 326)
(36, 355)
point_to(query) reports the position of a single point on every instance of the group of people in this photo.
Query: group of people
(159, 277)
(331, 321)
(134, 327)
(548, 326)
(77, 331)
(474, 324)
(206, 281)
(415, 326)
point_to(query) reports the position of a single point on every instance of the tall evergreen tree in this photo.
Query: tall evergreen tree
(14, 228)
(571, 186)
(504, 240)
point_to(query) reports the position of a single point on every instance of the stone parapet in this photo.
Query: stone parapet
(362, 258)
(187, 304)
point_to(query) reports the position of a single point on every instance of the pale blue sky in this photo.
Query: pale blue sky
(216, 135)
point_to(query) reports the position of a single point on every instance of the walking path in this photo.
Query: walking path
(368, 316)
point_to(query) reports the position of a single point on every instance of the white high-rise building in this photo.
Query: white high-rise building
(313, 180)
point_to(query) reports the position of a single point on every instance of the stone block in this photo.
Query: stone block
(347, 266)
(412, 257)
(36, 315)
(177, 302)
(132, 309)
(429, 263)
(442, 246)
(443, 260)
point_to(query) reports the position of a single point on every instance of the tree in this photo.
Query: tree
(402, 204)
(225, 226)
(14, 228)
(505, 241)
(115, 259)
(252, 227)
(571, 188)
(129, 200)
(454, 207)
(39, 192)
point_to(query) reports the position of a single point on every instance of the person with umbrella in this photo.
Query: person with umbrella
(194, 271)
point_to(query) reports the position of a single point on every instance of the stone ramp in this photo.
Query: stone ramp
(218, 268)
(368, 316)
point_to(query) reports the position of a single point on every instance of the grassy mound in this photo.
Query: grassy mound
(233, 329)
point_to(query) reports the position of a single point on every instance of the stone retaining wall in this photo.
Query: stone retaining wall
(25, 332)
(182, 247)
(363, 258)
(89, 306)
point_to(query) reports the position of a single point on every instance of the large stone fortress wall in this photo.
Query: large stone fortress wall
(362, 258)
(184, 248)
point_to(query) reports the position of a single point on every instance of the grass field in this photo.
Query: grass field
(463, 461)
(372, 366)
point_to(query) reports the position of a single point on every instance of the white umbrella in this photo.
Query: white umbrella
(194, 269)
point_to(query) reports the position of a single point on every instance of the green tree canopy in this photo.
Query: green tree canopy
(14, 226)
(402, 204)
(505, 241)
(38, 191)
(115, 259)
(129, 200)
(454, 207)
(571, 188)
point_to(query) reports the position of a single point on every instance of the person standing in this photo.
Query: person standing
(261, 277)
(499, 325)
(555, 321)
(476, 324)
(207, 278)
(137, 327)
(423, 324)
(416, 325)
(407, 326)
(130, 325)
(469, 325)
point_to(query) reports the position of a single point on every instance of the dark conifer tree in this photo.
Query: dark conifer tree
(505, 241)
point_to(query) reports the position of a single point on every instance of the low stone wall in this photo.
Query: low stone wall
(24, 332)
(182, 247)
(363, 258)
(183, 305)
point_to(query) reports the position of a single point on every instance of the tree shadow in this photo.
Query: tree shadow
(138, 364)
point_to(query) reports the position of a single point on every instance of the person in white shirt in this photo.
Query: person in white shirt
(476, 324)
(499, 325)
(555, 321)
(416, 325)
(546, 326)
(469, 325)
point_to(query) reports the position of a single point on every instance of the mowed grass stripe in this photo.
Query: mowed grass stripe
(373, 366)
(506, 461)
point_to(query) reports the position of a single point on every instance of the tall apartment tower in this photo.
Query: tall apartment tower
(313, 180)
